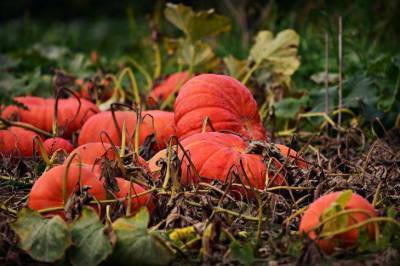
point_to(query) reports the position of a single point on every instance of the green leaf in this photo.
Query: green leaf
(196, 25)
(280, 53)
(91, 244)
(136, 244)
(43, 239)
(245, 254)
(289, 107)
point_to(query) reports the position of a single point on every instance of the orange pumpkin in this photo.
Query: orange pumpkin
(225, 101)
(53, 144)
(214, 154)
(41, 111)
(91, 155)
(163, 127)
(137, 201)
(16, 141)
(47, 191)
(312, 217)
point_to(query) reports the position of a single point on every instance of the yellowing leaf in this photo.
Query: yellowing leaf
(43, 239)
(236, 68)
(137, 245)
(196, 25)
(280, 53)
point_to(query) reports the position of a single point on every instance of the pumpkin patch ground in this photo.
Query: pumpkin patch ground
(229, 134)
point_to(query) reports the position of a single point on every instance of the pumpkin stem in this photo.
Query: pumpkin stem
(168, 171)
(157, 58)
(115, 150)
(141, 69)
(137, 129)
(207, 121)
(7, 123)
(65, 178)
(359, 225)
(123, 140)
(128, 71)
(128, 209)
(250, 72)
(43, 153)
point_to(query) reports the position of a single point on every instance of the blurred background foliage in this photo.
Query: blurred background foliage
(39, 37)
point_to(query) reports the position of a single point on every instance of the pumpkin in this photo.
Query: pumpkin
(137, 201)
(103, 122)
(91, 155)
(225, 101)
(213, 154)
(16, 141)
(312, 217)
(53, 144)
(41, 111)
(47, 191)
(166, 88)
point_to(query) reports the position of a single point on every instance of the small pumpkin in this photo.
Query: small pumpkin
(47, 191)
(313, 216)
(53, 144)
(17, 141)
(154, 168)
(137, 201)
(41, 111)
(163, 127)
(227, 103)
(166, 88)
(91, 155)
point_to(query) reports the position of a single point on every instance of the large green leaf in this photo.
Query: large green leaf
(280, 53)
(91, 245)
(136, 245)
(43, 239)
(196, 25)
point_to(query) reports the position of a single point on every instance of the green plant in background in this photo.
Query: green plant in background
(193, 52)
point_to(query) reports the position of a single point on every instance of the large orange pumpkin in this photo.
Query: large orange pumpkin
(225, 101)
(40, 113)
(312, 217)
(47, 191)
(103, 122)
(16, 141)
(213, 154)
